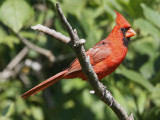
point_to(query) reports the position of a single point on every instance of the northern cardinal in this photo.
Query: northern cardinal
(105, 56)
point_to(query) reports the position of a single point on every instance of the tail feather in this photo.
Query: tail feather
(44, 84)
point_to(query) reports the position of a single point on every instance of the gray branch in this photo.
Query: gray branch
(52, 32)
(77, 44)
(9, 70)
(40, 50)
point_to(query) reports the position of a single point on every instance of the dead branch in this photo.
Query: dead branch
(9, 70)
(38, 49)
(52, 32)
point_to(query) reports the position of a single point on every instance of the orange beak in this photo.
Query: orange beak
(130, 32)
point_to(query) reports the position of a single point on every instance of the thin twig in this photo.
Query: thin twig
(52, 32)
(40, 50)
(8, 71)
(18, 58)
(25, 80)
(65, 22)
(75, 41)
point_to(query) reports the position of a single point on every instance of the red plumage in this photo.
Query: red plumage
(105, 56)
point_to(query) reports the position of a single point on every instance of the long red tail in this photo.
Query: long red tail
(44, 84)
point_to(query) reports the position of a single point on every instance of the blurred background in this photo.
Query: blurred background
(135, 84)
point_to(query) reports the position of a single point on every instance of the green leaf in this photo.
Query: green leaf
(53, 1)
(8, 110)
(147, 69)
(71, 84)
(115, 4)
(150, 14)
(87, 98)
(11, 40)
(146, 27)
(92, 38)
(135, 77)
(95, 106)
(2, 34)
(155, 96)
(156, 78)
(69, 104)
(41, 39)
(32, 54)
(14, 14)
(141, 101)
(8, 40)
(37, 113)
(21, 105)
(119, 97)
(76, 9)
(28, 34)
(145, 46)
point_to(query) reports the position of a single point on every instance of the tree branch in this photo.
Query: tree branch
(77, 45)
(40, 50)
(8, 71)
(52, 32)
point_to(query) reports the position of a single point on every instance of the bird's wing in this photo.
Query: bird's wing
(97, 53)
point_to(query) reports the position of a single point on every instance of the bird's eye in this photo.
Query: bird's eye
(122, 29)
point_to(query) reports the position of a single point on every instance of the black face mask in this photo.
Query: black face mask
(126, 40)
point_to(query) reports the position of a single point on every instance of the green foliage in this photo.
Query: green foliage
(135, 77)
(151, 15)
(15, 13)
(135, 84)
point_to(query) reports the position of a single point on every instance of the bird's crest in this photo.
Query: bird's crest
(121, 21)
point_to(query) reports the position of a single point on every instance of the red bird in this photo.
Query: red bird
(105, 56)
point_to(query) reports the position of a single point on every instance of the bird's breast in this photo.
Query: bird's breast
(118, 54)
(108, 65)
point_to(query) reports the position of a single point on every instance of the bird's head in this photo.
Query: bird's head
(124, 25)
(123, 28)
